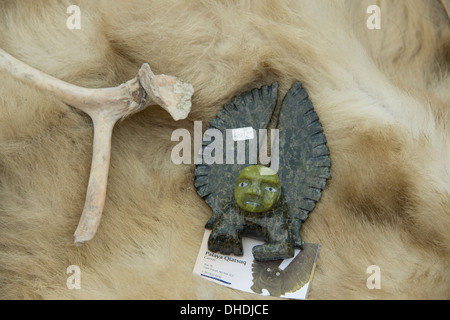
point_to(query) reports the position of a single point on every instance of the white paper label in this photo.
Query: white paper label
(243, 134)
(246, 274)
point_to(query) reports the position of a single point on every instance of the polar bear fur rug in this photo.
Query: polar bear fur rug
(382, 95)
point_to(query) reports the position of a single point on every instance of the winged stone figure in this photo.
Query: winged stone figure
(248, 199)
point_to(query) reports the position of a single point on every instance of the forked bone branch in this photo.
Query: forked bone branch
(105, 107)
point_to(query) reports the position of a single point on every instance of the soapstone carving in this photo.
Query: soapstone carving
(253, 200)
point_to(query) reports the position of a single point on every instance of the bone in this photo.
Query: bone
(106, 106)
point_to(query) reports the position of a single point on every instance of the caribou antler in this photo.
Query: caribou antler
(106, 106)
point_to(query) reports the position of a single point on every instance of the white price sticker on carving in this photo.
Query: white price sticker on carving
(240, 134)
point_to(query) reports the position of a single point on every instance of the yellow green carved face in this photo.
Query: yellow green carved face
(257, 189)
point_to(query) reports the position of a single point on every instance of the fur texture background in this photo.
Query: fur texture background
(382, 97)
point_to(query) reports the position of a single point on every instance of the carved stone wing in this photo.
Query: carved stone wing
(304, 162)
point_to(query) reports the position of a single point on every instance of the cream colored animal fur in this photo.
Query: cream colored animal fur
(383, 97)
